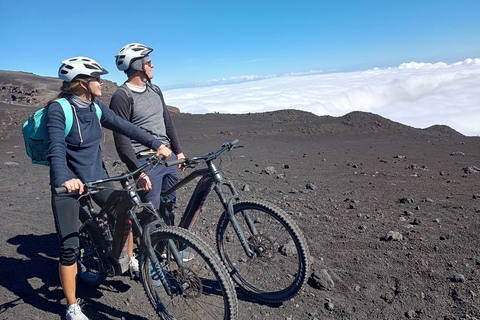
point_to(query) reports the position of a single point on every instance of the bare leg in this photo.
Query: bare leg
(130, 244)
(68, 278)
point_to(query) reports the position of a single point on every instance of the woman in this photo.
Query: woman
(77, 158)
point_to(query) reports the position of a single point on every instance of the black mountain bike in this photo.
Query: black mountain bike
(263, 249)
(177, 289)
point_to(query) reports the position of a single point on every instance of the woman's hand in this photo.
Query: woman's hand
(144, 182)
(73, 185)
(164, 152)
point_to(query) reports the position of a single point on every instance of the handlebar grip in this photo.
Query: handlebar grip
(234, 142)
(174, 162)
(60, 190)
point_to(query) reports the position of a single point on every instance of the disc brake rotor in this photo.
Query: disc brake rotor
(263, 246)
(188, 279)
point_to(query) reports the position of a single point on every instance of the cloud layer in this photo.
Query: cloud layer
(415, 94)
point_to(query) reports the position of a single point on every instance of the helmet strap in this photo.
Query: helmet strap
(90, 92)
(87, 83)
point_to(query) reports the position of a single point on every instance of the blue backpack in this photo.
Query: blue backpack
(35, 131)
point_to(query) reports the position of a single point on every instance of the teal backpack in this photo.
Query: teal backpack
(35, 131)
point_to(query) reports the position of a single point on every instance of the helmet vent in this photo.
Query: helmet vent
(90, 67)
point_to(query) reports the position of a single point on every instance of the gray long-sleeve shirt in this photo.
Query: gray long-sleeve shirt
(148, 112)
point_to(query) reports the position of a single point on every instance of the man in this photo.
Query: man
(142, 103)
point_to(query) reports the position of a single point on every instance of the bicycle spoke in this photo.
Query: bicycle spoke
(279, 270)
(201, 288)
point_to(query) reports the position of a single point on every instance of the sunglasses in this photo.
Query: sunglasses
(149, 63)
(97, 79)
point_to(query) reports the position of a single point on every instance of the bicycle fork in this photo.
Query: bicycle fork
(228, 205)
(157, 267)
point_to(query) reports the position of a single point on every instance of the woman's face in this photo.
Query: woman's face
(96, 85)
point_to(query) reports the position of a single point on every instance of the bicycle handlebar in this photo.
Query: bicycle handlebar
(208, 157)
(152, 161)
(174, 162)
(60, 190)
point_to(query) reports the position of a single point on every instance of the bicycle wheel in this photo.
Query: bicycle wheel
(280, 270)
(201, 287)
(92, 266)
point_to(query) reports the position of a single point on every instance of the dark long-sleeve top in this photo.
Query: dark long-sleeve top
(69, 157)
(148, 112)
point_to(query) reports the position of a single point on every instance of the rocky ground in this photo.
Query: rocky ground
(390, 213)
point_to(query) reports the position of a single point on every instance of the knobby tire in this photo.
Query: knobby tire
(210, 293)
(92, 264)
(281, 270)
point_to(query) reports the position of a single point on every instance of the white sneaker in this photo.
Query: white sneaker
(74, 312)
(186, 256)
(133, 267)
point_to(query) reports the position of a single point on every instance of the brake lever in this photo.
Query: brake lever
(191, 163)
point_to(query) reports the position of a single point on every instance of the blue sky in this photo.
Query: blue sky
(203, 40)
(416, 62)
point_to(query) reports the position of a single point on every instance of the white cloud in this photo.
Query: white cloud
(415, 94)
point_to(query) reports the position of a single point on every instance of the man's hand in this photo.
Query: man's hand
(144, 182)
(181, 166)
(164, 152)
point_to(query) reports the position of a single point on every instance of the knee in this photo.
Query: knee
(69, 253)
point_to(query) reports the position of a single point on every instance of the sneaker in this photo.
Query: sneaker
(186, 256)
(133, 267)
(74, 312)
(83, 269)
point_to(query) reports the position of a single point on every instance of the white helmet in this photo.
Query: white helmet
(79, 66)
(131, 51)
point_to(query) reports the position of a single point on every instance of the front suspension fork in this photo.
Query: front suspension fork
(228, 205)
(172, 249)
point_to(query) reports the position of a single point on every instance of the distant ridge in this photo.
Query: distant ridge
(442, 130)
(30, 90)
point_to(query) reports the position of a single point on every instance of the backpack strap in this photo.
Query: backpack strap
(156, 89)
(99, 111)
(128, 92)
(67, 110)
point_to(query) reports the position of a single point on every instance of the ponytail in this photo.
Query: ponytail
(68, 89)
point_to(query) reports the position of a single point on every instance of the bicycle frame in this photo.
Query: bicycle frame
(121, 206)
(211, 177)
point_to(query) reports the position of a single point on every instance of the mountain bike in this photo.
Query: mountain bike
(197, 289)
(263, 249)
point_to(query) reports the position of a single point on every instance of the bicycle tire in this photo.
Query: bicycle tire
(92, 265)
(282, 269)
(209, 294)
